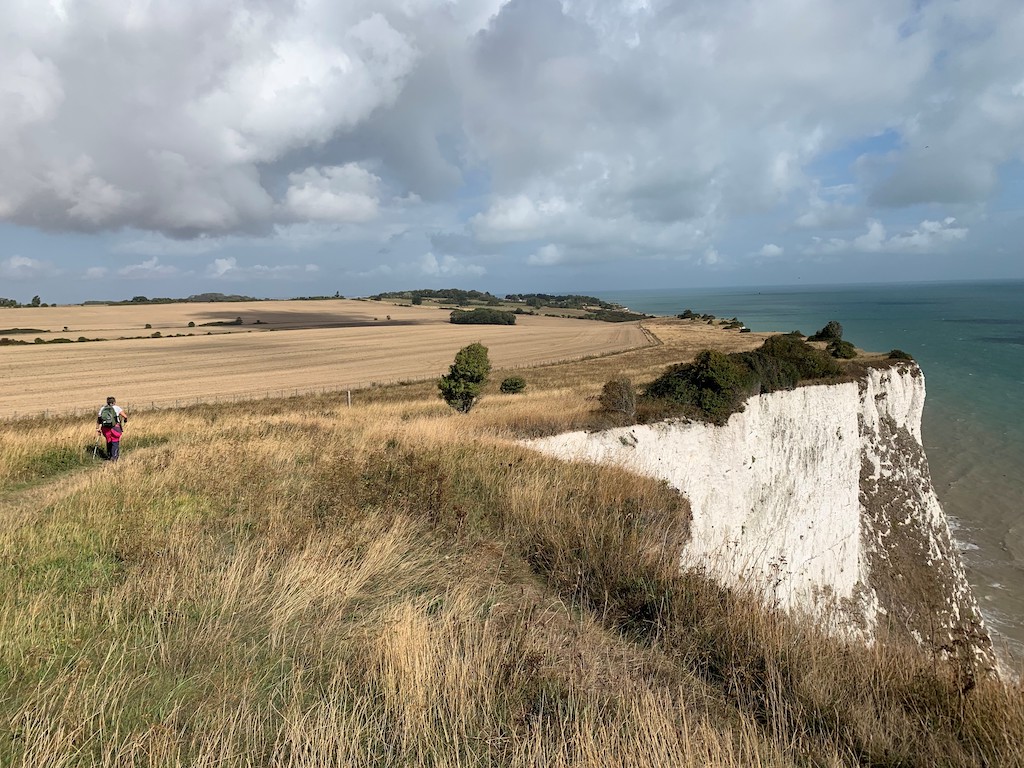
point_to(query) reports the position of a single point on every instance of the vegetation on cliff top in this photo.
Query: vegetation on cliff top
(716, 385)
(404, 586)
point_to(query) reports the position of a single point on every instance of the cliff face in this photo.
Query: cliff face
(819, 499)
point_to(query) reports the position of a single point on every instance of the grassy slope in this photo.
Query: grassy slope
(299, 583)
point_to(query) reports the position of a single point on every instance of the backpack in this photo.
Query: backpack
(108, 416)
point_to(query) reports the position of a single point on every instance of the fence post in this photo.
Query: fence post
(349, 398)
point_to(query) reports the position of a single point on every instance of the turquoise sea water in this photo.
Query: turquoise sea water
(969, 340)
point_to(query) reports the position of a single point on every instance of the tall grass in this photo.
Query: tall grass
(297, 583)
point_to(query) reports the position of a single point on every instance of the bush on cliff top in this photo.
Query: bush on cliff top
(716, 385)
(832, 331)
(843, 350)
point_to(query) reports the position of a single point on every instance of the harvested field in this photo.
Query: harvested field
(336, 344)
(130, 320)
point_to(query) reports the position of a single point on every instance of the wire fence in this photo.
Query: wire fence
(174, 403)
(259, 394)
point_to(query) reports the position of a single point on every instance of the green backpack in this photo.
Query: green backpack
(108, 416)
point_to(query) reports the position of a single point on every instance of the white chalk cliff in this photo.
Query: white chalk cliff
(820, 500)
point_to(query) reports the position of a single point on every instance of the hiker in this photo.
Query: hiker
(111, 421)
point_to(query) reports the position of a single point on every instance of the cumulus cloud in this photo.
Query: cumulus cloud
(546, 256)
(710, 258)
(447, 266)
(770, 250)
(519, 217)
(229, 268)
(179, 140)
(584, 130)
(928, 236)
(827, 208)
(150, 268)
(25, 268)
(346, 193)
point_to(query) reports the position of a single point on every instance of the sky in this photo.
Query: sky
(280, 148)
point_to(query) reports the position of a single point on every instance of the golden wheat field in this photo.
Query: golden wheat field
(280, 347)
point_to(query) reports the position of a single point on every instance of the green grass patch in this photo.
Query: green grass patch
(66, 573)
(50, 462)
(131, 442)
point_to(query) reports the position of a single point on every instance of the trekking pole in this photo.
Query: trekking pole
(96, 448)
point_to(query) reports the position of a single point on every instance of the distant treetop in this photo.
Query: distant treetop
(455, 295)
(199, 298)
(561, 301)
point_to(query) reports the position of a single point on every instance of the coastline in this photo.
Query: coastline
(973, 423)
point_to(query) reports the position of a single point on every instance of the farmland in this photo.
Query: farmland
(296, 582)
(278, 347)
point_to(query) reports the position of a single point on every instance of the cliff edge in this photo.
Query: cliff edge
(820, 500)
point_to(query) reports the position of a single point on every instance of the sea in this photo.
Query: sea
(968, 338)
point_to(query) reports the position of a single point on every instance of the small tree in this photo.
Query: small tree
(36, 301)
(832, 331)
(461, 387)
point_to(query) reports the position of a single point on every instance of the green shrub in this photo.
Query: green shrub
(148, 326)
(807, 362)
(461, 387)
(716, 385)
(842, 349)
(191, 324)
(899, 354)
(832, 331)
(482, 316)
(513, 385)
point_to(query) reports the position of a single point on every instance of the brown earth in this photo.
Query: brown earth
(336, 344)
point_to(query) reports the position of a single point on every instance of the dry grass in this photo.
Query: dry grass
(323, 345)
(297, 583)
